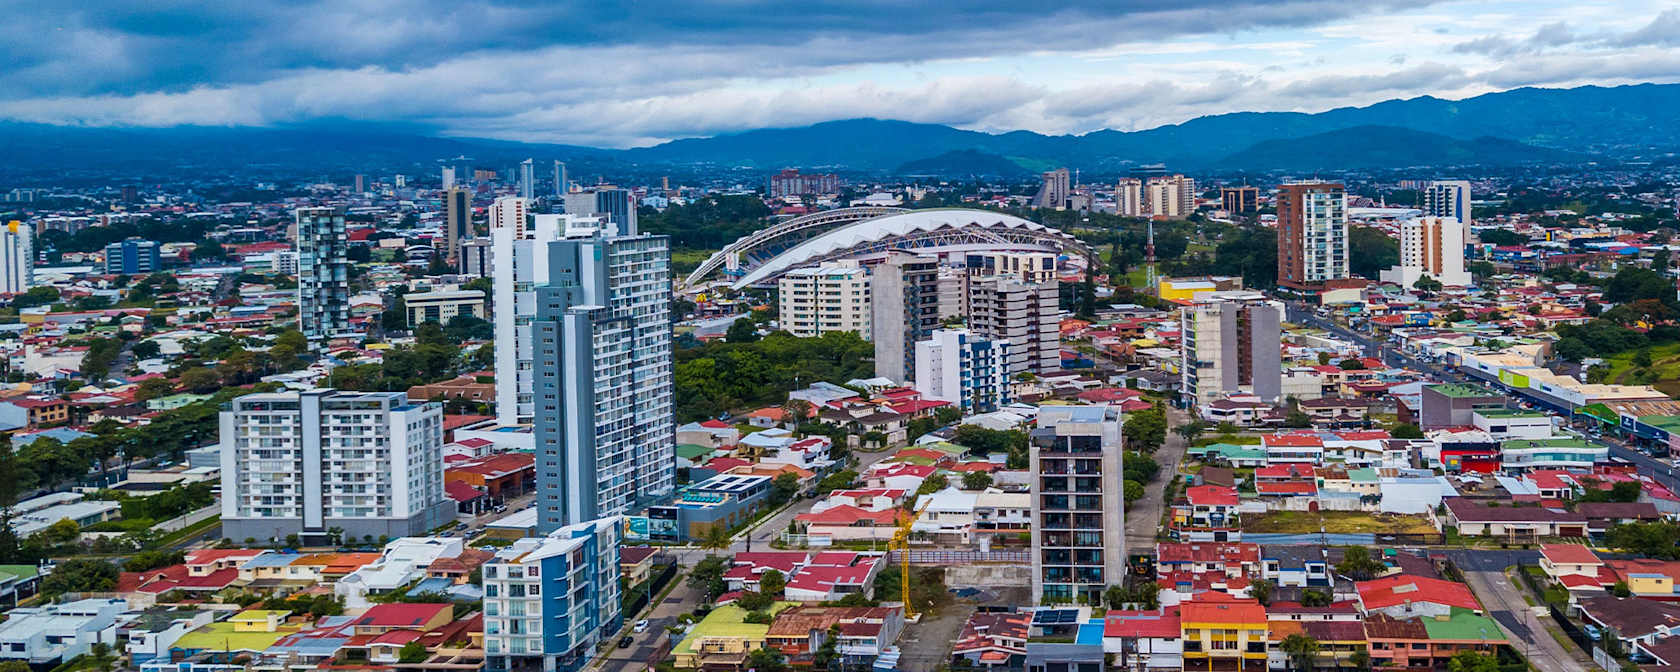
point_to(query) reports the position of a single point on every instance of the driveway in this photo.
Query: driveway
(1143, 518)
(926, 646)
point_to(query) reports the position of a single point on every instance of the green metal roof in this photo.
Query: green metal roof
(1508, 413)
(1463, 624)
(1461, 390)
(689, 451)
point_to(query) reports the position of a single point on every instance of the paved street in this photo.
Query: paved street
(642, 653)
(1484, 570)
(1143, 518)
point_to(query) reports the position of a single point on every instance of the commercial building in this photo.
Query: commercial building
(1171, 196)
(457, 220)
(549, 601)
(827, 298)
(791, 183)
(1029, 267)
(904, 293)
(132, 256)
(1449, 198)
(605, 430)
(1455, 405)
(1078, 508)
(323, 275)
(441, 307)
(1240, 200)
(1024, 314)
(1312, 234)
(1185, 290)
(1430, 246)
(367, 463)
(1055, 191)
(1231, 341)
(964, 369)
(527, 179)
(1128, 197)
(474, 258)
(611, 204)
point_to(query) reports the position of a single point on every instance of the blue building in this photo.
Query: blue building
(548, 601)
(725, 499)
(134, 256)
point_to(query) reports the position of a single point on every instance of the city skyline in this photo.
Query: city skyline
(651, 73)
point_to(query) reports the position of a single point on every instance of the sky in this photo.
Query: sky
(636, 73)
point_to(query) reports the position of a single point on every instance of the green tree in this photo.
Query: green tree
(1132, 491)
(1315, 598)
(707, 575)
(933, 484)
(413, 652)
(717, 537)
(100, 655)
(742, 330)
(80, 575)
(767, 660)
(146, 349)
(1295, 419)
(827, 654)
(1406, 431)
(754, 600)
(1261, 591)
(1189, 431)
(1427, 285)
(1146, 430)
(1301, 650)
(1471, 661)
(976, 480)
(1357, 564)
(771, 582)
(783, 488)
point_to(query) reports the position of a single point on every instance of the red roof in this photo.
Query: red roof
(1212, 495)
(461, 492)
(1569, 554)
(1140, 624)
(1215, 609)
(1285, 488)
(454, 422)
(846, 514)
(721, 464)
(716, 424)
(400, 615)
(1397, 590)
(1293, 440)
(499, 465)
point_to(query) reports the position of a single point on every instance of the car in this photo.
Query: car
(641, 626)
(626, 641)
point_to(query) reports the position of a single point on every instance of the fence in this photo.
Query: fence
(931, 557)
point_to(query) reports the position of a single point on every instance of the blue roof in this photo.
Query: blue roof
(272, 559)
(1090, 633)
(436, 584)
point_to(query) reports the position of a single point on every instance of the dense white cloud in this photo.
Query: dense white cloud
(635, 73)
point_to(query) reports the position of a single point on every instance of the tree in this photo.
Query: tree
(1360, 660)
(1370, 251)
(946, 415)
(152, 388)
(795, 411)
(707, 575)
(827, 653)
(976, 480)
(146, 560)
(1189, 431)
(1301, 649)
(200, 380)
(80, 575)
(783, 488)
(1406, 431)
(742, 330)
(1351, 364)
(717, 537)
(14, 666)
(1295, 419)
(1471, 661)
(1642, 358)
(101, 657)
(1146, 430)
(771, 582)
(1132, 491)
(767, 660)
(1427, 285)
(1357, 564)
(146, 349)
(933, 484)
(1655, 539)
(1261, 591)
(413, 652)
(1620, 589)
(1315, 598)
(754, 600)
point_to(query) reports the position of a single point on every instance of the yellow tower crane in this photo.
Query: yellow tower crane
(901, 543)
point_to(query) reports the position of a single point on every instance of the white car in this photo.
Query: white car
(641, 626)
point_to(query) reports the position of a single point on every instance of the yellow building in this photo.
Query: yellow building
(1224, 634)
(258, 620)
(1185, 290)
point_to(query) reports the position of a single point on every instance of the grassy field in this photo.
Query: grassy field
(684, 261)
(1233, 439)
(1665, 364)
(1302, 522)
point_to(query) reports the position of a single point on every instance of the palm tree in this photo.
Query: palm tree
(717, 538)
(1301, 650)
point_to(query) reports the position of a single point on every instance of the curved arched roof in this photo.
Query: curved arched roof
(902, 225)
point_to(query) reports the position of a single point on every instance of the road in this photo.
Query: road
(646, 645)
(1484, 570)
(1143, 518)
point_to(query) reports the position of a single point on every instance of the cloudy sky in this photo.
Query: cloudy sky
(632, 73)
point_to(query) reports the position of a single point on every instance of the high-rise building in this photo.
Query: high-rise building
(830, 297)
(953, 291)
(609, 203)
(360, 185)
(1025, 314)
(559, 178)
(1312, 234)
(366, 463)
(1231, 342)
(474, 258)
(1240, 200)
(510, 212)
(1128, 197)
(457, 220)
(605, 435)
(519, 261)
(550, 601)
(1078, 504)
(1432, 246)
(17, 258)
(527, 179)
(970, 371)
(1449, 198)
(791, 183)
(1055, 190)
(904, 293)
(1028, 267)
(132, 256)
(448, 175)
(399, 180)
(323, 275)
(1171, 196)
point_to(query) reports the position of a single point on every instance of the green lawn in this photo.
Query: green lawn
(1665, 361)
(1303, 522)
(684, 261)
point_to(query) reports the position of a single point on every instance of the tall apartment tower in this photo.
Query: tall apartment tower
(17, 258)
(474, 258)
(132, 256)
(323, 275)
(612, 204)
(1055, 191)
(1025, 314)
(1449, 198)
(1232, 342)
(527, 179)
(1128, 197)
(559, 178)
(1169, 196)
(1028, 267)
(605, 430)
(1078, 505)
(367, 463)
(519, 264)
(970, 371)
(550, 600)
(457, 220)
(827, 298)
(1240, 200)
(904, 298)
(1432, 246)
(510, 212)
(1312, 234)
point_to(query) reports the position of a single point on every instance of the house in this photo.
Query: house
(832, 575)
(55, 633)
(1293, 448)
(723, 639)
(501, 476)
(1237, 410)
(1636, 621)
(1572, 563)
(382, 618)
(1487, 519)
(1428, 643)
(1222, 632)
(1144, 640)
(152, 632)
(1648, 578)
(992, 640)
(712, 434)
(1602, 516)
(1405, 596)
(1207, 513)
(849, 523)
(636, 563)
(864, 632)
(897, 476)
(1302, 566)
(1337, 642)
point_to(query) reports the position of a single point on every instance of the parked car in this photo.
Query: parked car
(641, 626)
(626, 641)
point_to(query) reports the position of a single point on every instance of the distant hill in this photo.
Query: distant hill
(964, 163)
(1389, 147)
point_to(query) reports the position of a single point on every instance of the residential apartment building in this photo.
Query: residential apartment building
(550, 601)
(1223, 634)
(791, 183)
(967, 370)
(457, 220)
(1078, 509)
(612, 204)
(1433, 247)
(1240, 200)
(1171, 196)
(1028, 267)
(474, 258)
(366, 463)
(904, 310)
(830, 297)
(132, 256)
(1231, 340)
(1055, 191)
(1449, 198)
(17, 258)
(605, 431)
(1024, 314)
(519, 256)
(1128, 197)
(1312, 234)
(512, 213)
(323, 275)
(443, 306)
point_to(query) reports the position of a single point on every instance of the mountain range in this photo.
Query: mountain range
(1508, 128)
